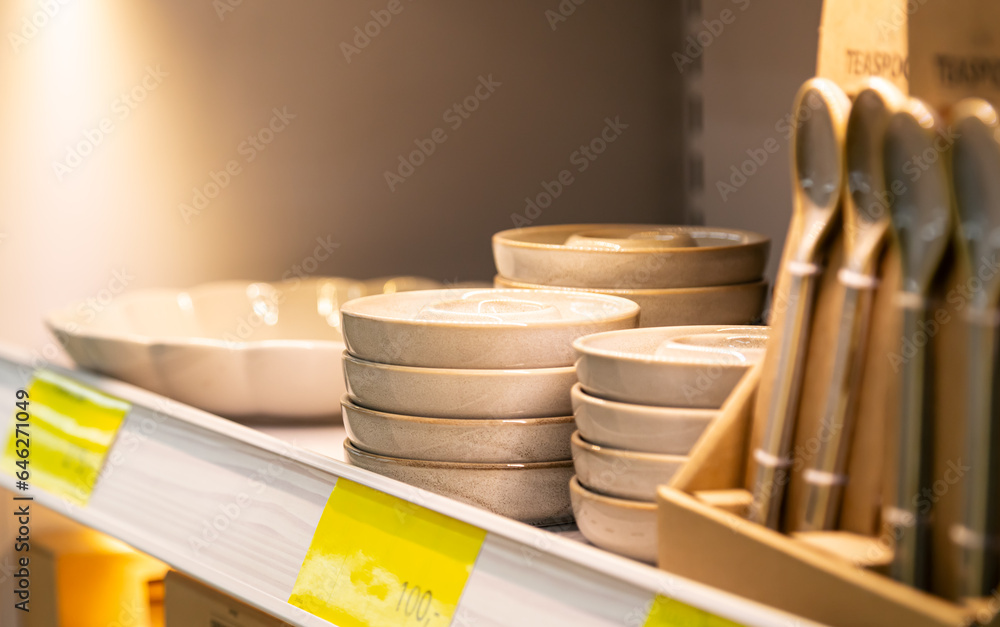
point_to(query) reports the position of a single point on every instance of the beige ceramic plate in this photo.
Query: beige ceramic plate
(722, 304)
(479, 328)
(627, 256)
(459, 393)
(534, 493)
(238, 349)
(448, 440)
(642, 428)
(623, 474)
(695, 366)
(618, 525)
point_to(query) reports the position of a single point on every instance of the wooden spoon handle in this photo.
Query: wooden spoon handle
(824, 481)
(907, 519)
(771, 459)
(976, 536)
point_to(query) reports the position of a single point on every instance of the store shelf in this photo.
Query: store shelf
(237, 509)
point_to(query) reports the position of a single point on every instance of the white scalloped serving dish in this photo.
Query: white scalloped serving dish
(246, 350)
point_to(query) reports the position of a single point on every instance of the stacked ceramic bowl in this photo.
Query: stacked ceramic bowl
(644, 399)
(466, 392)
(679, 275)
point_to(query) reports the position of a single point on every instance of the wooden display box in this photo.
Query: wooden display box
(792, 575)
(831, 577)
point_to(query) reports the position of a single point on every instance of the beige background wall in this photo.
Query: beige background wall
(751, 73)
(66, 233)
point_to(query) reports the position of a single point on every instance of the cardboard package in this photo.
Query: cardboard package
(188, 603)
(116, 578)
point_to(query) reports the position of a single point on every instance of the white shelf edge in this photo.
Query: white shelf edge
(538, 542)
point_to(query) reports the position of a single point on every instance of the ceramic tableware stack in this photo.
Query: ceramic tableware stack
(643, 400)
(679, 275)
(466, 392)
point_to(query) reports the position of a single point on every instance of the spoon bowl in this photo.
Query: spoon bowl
(921, 213)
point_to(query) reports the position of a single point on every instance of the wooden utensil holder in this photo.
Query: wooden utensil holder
(832, 576)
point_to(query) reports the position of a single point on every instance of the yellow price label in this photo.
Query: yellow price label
(67, 432)
(377, 560)
(672, 613)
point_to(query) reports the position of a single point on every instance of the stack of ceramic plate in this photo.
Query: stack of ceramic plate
(644, 398)
(467, 392)
(679, 275)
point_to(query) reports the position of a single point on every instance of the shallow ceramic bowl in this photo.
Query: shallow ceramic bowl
(618, 525)
(479, 328)
(642, 428)
(239, 349)
(620, 473)
(456, 440)
(459, 393)
(722, 304)
(695, 366)
(534, 493)
(627, 256)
